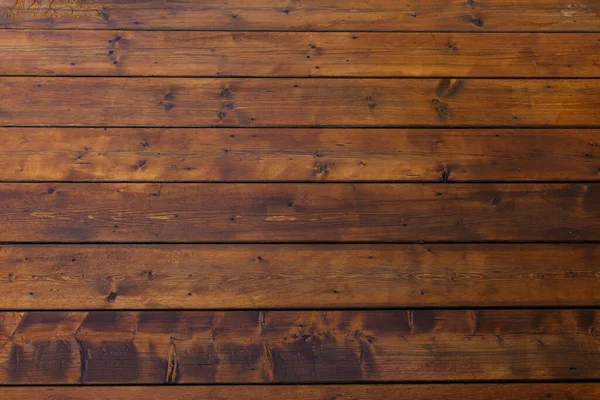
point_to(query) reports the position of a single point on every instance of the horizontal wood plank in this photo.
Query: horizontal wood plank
(536, 391)
(281, 54)
(88, 212)
(268, 154)
(395, 15)
(297, 276)
(290, 346)
(181, 102)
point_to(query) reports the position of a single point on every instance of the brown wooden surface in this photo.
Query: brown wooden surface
(271, 154)
(89, 212)
(303, 102)
(253, 192)
(536, 391)
(297, 276)
(395, 15)
(43, 52)
(297, 346)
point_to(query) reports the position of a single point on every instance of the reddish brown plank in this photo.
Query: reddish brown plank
(290, 346)
(395, 15)
(281, 54)
(297, 276)
(301, 102)
(268, 154)
(87, 212)
(537, 391)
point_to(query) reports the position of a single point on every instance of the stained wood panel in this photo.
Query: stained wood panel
(297, 276)
(536, 391)
(260, 347)
(300, 102)
(280, 54)
(299, 213)
(362, 199)
(404, 15)
(268, 154)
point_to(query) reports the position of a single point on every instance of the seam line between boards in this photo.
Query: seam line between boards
(7, 26)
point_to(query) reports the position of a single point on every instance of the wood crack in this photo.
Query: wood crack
(172, 363)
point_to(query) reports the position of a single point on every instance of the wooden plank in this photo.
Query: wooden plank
(281, 54)
(536, 391)
(297, 276)
(268, 154)
(89, 212)
(301, 102)
(395, 15)
(298, 346)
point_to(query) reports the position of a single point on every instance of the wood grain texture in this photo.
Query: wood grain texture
(536, 391)
(268, 154)
(281, 54)
(297, 276)
(303, 102)
(404, 15)
(298, 212)
(261, 347)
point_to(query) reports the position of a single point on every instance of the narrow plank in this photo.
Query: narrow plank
(89, 212)
(268, 154)
(297, 276)
(298, 347)
(281, 54)
(395, 15)
(536, 391)
(303, 102)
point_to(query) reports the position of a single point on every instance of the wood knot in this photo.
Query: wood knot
(452, 46)
(103, 13)
(441, 109)
(141, 164)
(371, 102)
(445, 174)
(322, 168)
(448, 87)
(478, 22)
(169, 101)
(226, 92)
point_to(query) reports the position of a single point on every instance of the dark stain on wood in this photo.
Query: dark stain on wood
(115, 362)
(302, 346)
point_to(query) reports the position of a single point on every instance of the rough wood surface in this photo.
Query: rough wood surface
(84, 212)
(537, 391)
(395, 15)
(303, 102)
(260, 347)
(297, 276)
(268, 154)
(271, 54)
